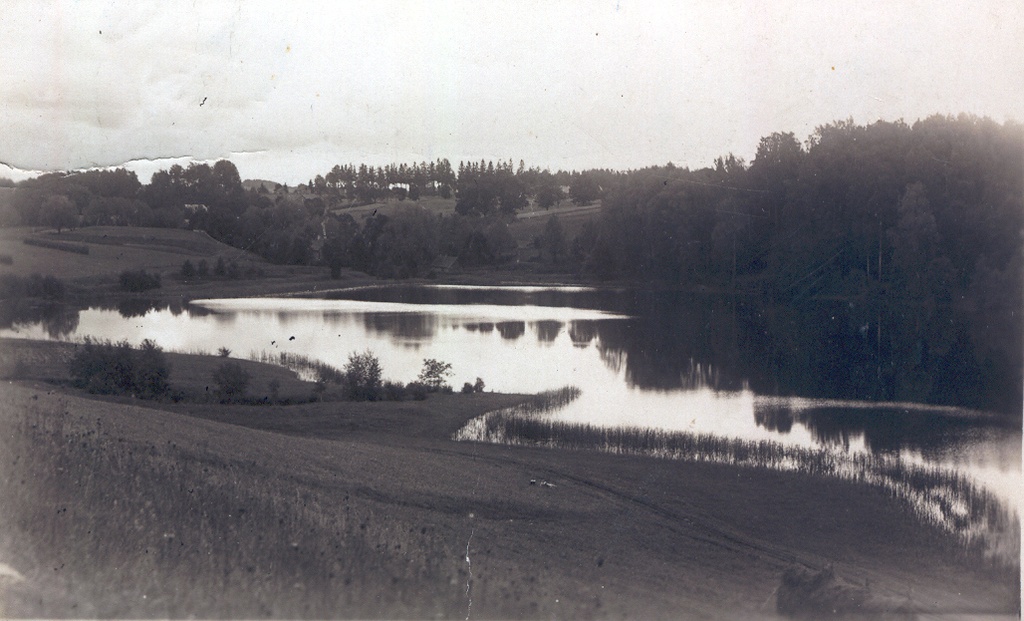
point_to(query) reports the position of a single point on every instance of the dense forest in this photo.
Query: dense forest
(917, 227)
(929, 210)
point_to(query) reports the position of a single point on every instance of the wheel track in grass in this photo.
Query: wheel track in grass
(717, 536)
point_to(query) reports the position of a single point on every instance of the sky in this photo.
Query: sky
(286, 90)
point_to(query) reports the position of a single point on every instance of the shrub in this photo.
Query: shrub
(416, 390)
(151, 370)
(319, 388)
(434, 374)
(188, 271)
(117, 369)
(139, 281)
(479, 385)
(393, 391)
(223, 352)
(363, 376)
(231, 380)
(467, 389)
(203, 270)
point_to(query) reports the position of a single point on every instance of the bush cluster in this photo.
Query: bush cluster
(137, 281)
(362, 380)
(107, 368)
(231, 380)
(468, 388)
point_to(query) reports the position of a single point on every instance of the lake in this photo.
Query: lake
(820, 383)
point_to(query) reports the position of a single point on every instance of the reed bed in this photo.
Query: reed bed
(308, 369)
(937, 496)
(500, 426)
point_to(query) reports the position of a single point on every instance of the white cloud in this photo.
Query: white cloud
(574, 84)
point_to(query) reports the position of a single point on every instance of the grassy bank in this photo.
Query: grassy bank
(986, 528)
(116, 507)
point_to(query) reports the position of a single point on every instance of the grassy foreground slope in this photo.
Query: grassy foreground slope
(367, 510)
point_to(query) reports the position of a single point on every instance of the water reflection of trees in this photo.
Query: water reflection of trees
(883, 430)
(820, 349)
(418, 326)
(548, 331)
(582, 332)
(56, 320)
(511, 330)
(134, 307)
(773, 418)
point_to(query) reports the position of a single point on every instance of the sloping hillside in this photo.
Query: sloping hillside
(112, 250)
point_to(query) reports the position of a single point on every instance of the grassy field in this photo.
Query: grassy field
(120, 508)
(112, 250)
(433, 204)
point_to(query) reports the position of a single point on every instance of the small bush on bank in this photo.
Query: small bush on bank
(102, 367)
(393, 391)
(231, 380)
(434, 374)
(137, 281)
(363, 376)
(416, 391)
(478, 386)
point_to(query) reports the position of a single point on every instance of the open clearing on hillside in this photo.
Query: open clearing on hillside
(113, 250)
(136, 509)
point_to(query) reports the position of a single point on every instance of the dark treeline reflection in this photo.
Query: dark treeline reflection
(824, 349)
(547, 331)
(848, 349)
(883, 430)
(511, 330)
(57, 320)
(405, 326)
(61, 320)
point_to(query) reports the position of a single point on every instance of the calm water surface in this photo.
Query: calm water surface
(697, 366)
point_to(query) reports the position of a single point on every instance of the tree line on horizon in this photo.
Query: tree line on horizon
(929, 211)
